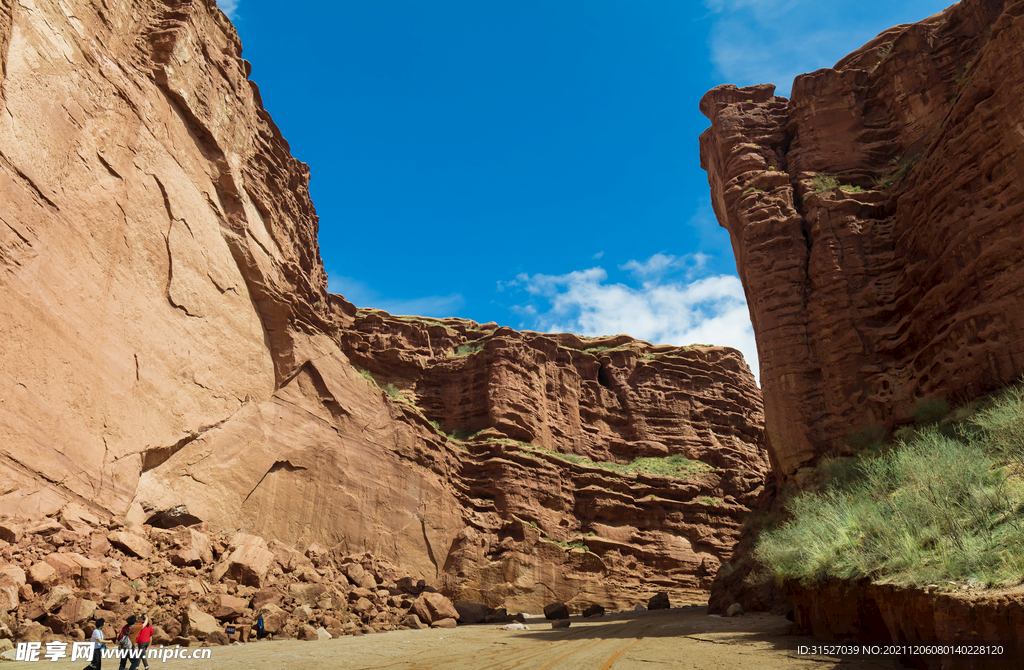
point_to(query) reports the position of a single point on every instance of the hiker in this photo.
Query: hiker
(97, 646)
(143, 639)
(260, 630)
(126, 645)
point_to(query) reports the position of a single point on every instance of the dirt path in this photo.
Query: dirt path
(680, 638)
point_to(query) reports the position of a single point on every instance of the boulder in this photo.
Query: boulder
(78, 519)
(360, 577)
(288, 558)
(12, 574)
(734, 610)
(594, 610)
(471, 612)
(306, 594)
(323, 634)
(274, 618)
(45, 528)
(248, 563)
(218, 637)
(639, 608)
(99, 545)
(133, 570)
(131, 544)
(42, 574)
(318, 554)
(228, 607)
(198, 542)
(561, 623)
(308, 633)
(431, 607)
(161, 637)
(413, 621)
(32, 631)
(362, 606)
(185, 557)
(267, 596)
(11, 531)
(78, 570)
(556, 611)
(9, 598)
(56, 598)
(444, 623)
(77, 610)
(659, 601)
(121, 589)
(198, 623)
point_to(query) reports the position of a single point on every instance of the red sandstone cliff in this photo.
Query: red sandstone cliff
(865, 300)
(168, 351)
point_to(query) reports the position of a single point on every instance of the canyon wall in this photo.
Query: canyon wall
(876, 222)
(169, 354)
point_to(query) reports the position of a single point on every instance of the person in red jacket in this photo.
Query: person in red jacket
(143, 640)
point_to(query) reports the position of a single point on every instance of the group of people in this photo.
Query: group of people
(134, 639)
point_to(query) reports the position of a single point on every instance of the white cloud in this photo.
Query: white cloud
(229, 7)
(362, 294)
(773, 41)
(598, 255)
(709, 310)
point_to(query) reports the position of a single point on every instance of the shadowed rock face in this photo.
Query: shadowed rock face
(168, 351)
(866, 301)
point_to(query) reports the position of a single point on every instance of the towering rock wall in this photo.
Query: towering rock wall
(905, 283)
(168, 351)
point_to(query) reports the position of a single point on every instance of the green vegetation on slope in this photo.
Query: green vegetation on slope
(942, 504)
(673, 466)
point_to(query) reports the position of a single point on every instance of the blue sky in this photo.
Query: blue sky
(532, 163)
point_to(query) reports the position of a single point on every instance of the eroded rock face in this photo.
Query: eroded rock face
(607, 399)
(169, 355)
(866, 300)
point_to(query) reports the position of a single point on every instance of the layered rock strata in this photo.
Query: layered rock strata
(875, 217)
(170, 355)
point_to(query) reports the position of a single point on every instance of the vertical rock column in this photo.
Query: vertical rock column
(744, 155)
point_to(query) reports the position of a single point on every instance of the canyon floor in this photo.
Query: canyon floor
(680, 638)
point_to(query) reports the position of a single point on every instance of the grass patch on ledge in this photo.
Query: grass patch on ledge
(943, 504)
(672, 466)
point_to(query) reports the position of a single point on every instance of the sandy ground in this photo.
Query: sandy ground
(679, 638)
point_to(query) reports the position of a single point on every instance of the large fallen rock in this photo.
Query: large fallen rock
(76, 569)
(470, 612)
(431, 607)
(248, 562)
(198, 623)
(556, 611)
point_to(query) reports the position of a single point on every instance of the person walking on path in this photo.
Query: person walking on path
(97, 646)
(143, 640)
(126, 643)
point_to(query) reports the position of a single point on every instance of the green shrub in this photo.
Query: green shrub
(824, 182)
(753, 189)
(930, 410)
(673, 466)
(368, 377)
(851, 189)
(902, 169)
(467, 349)
(866, 437)
(392, 391)
(941, 506)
